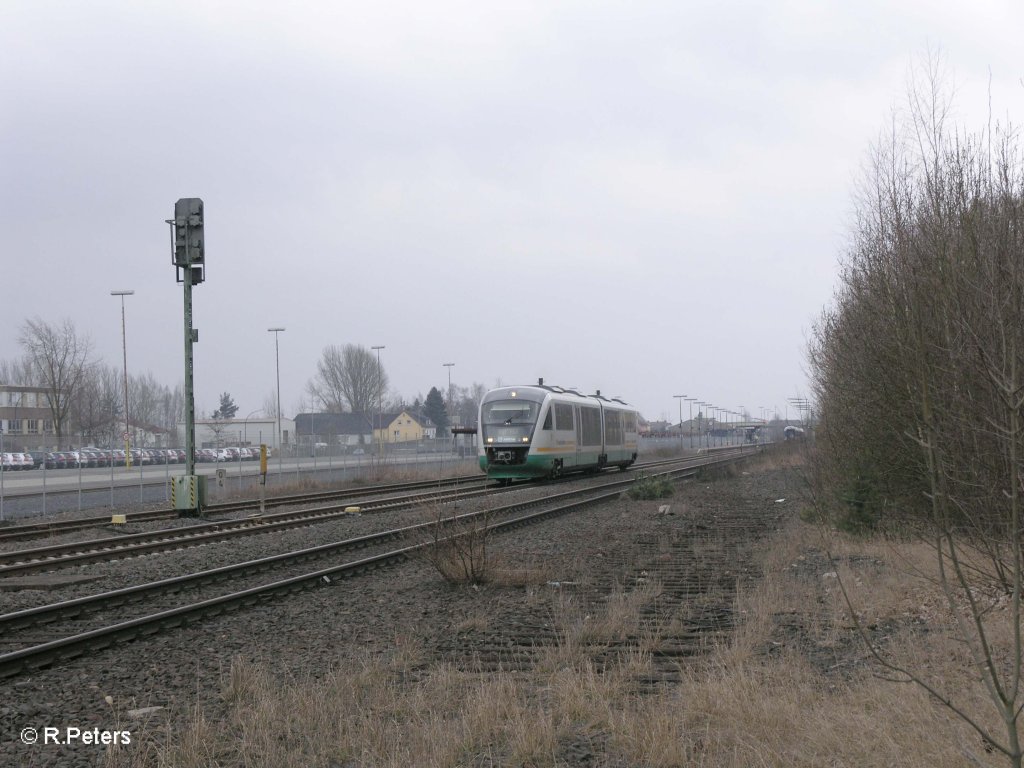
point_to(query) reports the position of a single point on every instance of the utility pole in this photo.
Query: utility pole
(380, 406)
(124, 352)
(680, 398)
(449, 367)
(277, 367)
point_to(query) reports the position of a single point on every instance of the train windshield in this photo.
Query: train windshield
(510, 412)
(508, 421)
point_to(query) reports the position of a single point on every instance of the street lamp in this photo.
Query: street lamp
(691, 401)
(380, 414)
(277, 364)
(245, 425)
(449, 367)
(124, 352)
(680, 398)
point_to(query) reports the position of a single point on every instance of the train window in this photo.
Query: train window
(548, 418)
(613, 427)
(563, 416)
(590, 421)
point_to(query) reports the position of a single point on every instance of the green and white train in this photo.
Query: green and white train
(540, 431)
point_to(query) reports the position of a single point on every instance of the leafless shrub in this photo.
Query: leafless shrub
(919, 376)
(458, 546)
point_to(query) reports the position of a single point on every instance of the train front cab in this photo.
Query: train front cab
(508, 421)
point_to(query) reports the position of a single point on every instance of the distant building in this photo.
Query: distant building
(351, 430)
(402, 427)
(25, 418)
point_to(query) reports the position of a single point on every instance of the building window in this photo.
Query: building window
(33, 426)
(14, 426)
(48, 426)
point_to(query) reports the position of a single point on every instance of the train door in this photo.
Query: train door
(579, 436)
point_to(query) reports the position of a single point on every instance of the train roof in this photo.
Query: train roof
(568, 391)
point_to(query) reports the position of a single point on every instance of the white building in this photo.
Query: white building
(217, 433)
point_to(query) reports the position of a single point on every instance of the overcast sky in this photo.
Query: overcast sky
(646, 198)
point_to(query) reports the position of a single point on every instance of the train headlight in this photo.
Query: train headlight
(490, 439)
(526, 439)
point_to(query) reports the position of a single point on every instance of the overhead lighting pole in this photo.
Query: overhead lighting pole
(449, 367)
(691, 401)
(124, 354)
(680, 398)
(380, 397)
(277, 367)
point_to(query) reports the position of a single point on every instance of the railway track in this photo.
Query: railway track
(684, 604)
(68, 613)
(52, 528)
(57, 556)
(66, 637)
(62, 555)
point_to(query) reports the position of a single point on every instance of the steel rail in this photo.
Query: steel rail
(55, 651)
(59, 556)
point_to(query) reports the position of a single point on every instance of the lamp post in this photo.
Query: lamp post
(124, 353)
(449, 367)
(277, 365)
(380, 415)
(245, 425)
(691, 401)
(680, 398)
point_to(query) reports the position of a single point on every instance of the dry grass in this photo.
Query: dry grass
(794, 685)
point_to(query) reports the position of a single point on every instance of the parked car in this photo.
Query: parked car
(38, 459)
(99, 456)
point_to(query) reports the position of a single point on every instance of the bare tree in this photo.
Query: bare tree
(919, 376)
(96, 406)
(348, 377)
(59, 361)
(171, 408)
(145, 395)
(18, 372)
(467, 404)
(270, 405)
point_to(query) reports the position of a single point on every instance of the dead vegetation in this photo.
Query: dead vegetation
(793, 685)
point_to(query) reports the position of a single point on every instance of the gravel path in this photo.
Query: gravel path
(615, 545)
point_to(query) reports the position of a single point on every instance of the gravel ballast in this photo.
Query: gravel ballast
(614, 545)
